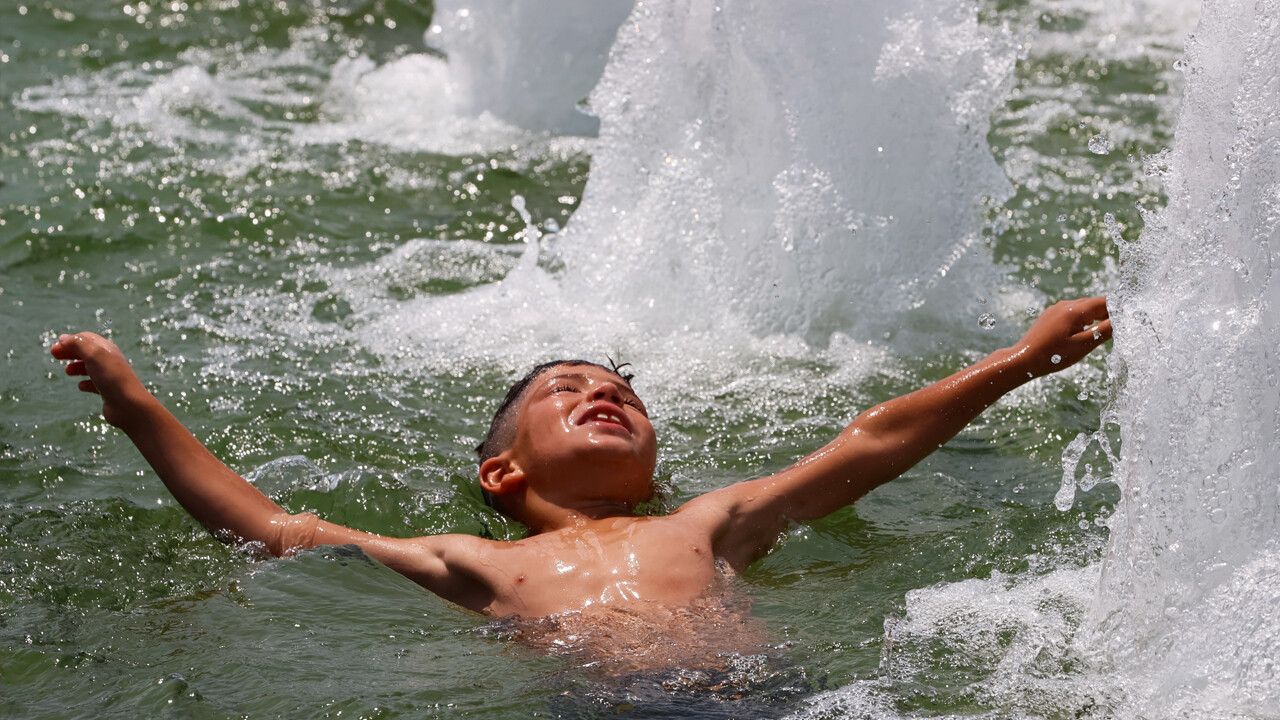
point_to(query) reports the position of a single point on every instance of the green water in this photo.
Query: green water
(211, 256)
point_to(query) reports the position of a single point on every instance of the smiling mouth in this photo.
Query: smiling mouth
(605, 417)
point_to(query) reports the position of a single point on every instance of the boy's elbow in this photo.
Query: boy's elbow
(288, 534)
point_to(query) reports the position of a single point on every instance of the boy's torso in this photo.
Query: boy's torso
(618, 562)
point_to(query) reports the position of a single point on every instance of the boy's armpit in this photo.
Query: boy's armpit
(744, 520)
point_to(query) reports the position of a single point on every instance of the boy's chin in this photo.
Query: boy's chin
(611, 451)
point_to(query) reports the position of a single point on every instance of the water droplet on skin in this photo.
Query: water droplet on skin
(986, 321)
(1099, 145)
(1055, 359)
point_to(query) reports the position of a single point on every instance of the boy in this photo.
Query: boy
(570, 454)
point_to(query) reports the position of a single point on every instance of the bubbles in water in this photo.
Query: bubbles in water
(1191, 400)
(1100, 144)
(986, 321)
(1113, 228)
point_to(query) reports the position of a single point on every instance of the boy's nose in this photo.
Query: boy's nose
(606, 391)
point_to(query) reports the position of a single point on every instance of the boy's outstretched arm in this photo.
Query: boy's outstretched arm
(226, 503)
(887, 440)
(214, 495)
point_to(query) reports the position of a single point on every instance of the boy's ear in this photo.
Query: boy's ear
(500, 475)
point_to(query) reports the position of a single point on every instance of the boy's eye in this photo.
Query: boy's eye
(632, 402)
(563, 388)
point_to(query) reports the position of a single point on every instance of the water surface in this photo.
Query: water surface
(301, 223)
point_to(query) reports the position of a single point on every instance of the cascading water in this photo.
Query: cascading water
(737, 206)
(1189, 605)
(760, 164)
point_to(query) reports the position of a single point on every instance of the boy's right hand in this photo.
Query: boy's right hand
(1063, 334)
(109, 373)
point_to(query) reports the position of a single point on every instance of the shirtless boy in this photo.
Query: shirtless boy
(571, 457)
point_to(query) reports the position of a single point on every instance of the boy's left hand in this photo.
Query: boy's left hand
(1063, 334)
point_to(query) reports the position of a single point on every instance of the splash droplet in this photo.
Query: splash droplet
(986, 321)
(1099, 145)
(1055, 359)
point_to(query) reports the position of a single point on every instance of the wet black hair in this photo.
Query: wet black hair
(502, 430)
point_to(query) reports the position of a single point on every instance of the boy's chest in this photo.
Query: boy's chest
(644, 561)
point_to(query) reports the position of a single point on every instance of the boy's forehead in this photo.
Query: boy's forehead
(587, 371)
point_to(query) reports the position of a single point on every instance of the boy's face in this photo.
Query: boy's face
(576, 418)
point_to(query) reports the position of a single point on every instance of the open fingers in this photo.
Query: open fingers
(1094, 308)
(64, 349)
(1097, 333)
(71, 345)
(1104, 327)
(77, 368)
(89, 387)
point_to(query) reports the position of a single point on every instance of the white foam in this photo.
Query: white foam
(1188, 604)
(1008, 640)
(530, 63)
(415, 102)
(734, 177)
(737, 205)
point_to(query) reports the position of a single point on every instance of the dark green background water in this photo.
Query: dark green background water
(203, 250)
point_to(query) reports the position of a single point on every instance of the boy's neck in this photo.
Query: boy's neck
(546, 517)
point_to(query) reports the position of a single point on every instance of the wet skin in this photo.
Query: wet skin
(582, 459)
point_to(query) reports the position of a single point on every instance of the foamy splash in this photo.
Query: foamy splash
(1182, 618)
(739, 213)
(1189, 609)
